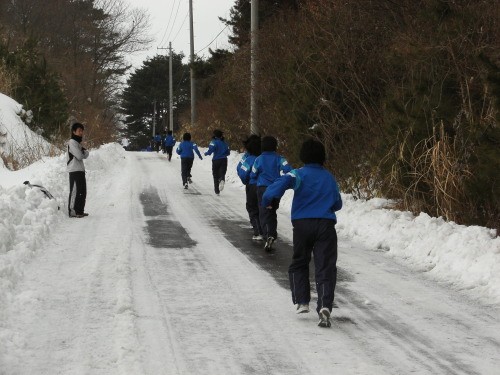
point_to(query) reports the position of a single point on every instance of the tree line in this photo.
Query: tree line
(65, 59)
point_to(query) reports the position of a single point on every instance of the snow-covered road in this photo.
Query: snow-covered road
(160, 280)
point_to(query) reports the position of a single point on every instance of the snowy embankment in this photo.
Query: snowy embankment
(27, 217)
(466, 257)
(18, 144)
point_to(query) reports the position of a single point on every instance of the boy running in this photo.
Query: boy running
(186, 150)
(316, 198)
(220, 149)
(169, 143)
(265, 170)
(244, 168)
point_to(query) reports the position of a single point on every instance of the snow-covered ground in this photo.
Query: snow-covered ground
(105, 295)
(17, 142)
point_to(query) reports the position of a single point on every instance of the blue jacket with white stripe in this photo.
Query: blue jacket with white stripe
(267, 167)
(244, 169)
(219, 148)
(316, 193)
(186, 148)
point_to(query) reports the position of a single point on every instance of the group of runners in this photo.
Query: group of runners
(266, 175)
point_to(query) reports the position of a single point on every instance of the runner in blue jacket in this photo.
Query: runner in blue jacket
(244, 168)
(186, 150)
(220, 149)
(169, 143)
(157, 142)
(316, 198)
(265, 170)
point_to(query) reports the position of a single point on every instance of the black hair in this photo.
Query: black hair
(312, 152)
(218, 133)
(169, 132)
(252, 145)
(269, 143)
(186, 137)
(75, 126)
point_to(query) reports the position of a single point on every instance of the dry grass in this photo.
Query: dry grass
(8, 80)
(435, 173)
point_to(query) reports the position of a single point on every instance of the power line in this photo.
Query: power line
(208, 45)
(168, 23)
(180, 28)
(173, 24)
(176, 13)
(220, 32)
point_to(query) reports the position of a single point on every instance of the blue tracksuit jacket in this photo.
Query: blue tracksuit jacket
(219, 148)
(186, 148)
(244, 169)
(316, 193)
(267, 167)
(169, 140)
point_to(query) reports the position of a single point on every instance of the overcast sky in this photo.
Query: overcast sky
(170, 22)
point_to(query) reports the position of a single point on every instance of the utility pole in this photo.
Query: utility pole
(170, 86)
(171, 90)
(254, 112)
(154, 117)
(193, 90)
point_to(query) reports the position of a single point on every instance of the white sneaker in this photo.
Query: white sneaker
(324, 318)
(269, 244)
(221, 185)
(302, 308)
(258, 238)
(185, 186)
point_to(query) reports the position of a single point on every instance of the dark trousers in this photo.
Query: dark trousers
(77, 193)
(252, 206)
(219, 168)
(168, 150)
(186, 165)
(267, 216)
(317, 236)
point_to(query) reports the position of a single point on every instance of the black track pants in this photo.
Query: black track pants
(186, 165)
(268, 217)
(219, 168)
(77, 193)
(319, 237)
(252, 206)
(168, 150)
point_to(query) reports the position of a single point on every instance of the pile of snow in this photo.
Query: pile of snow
(28, 217)
(18, 143)
(468, 257)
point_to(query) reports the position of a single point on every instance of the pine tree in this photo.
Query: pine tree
(150, 84)
(240, 17)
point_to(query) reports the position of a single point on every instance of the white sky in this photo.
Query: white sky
(169, 21)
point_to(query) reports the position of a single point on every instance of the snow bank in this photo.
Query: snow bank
(466, 257)
(27, 216)
(18, 143)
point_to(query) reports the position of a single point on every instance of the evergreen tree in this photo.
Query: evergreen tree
(150, 84)
(206, 70)
(240, 17)
(38, 88)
